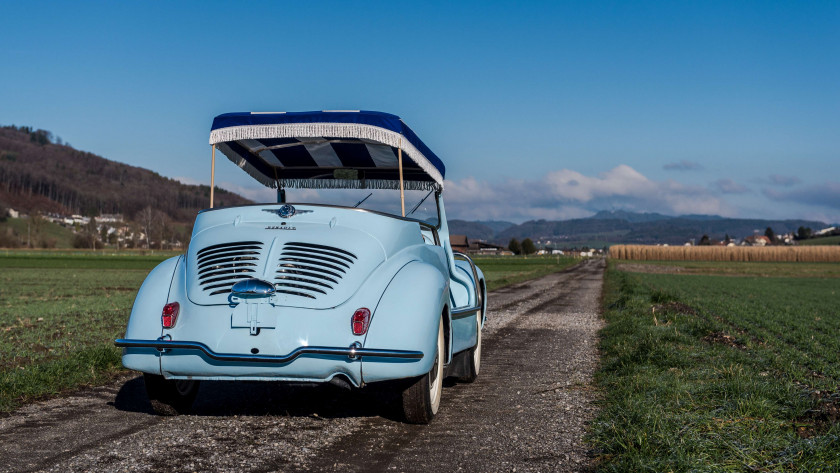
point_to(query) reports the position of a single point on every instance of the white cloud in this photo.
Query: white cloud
(568, 194)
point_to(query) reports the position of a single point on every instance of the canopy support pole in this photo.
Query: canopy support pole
(402, 190)
(212, 175)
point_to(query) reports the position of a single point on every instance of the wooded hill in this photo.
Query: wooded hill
(40, 174)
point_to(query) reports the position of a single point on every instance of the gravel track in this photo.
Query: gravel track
(527, 411)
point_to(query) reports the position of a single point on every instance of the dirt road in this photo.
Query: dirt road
(526, 412)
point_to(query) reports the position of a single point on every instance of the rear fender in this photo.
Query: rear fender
(407, 318)
(144, 322)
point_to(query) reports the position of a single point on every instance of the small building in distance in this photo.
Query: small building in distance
(484, 248)
(757, 240)
(475, 247)
(459, 243)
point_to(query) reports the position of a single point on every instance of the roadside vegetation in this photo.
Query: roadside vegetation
(501, 271)
(60, 311)
(706, 372)
(59, 314)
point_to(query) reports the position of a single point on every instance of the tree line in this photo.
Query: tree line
(527, 247)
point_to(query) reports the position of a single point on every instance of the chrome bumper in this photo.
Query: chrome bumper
(353, 351)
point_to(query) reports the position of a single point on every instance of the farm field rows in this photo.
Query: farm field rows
(61, 310)
(727, 268)
(713, 372)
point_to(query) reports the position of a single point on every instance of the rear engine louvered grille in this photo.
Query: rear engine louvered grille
(222, 266)
(309, 270)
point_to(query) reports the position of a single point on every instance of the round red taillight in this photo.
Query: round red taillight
(170, 314)
(360, 321)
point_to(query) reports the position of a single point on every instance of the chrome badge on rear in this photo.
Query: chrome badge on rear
(287, 211)
(253, 287)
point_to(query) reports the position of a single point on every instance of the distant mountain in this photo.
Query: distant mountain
(38, 173)
(480, 230)
(629, 227)
(497, 225)
(628, 216)
(702, 217)
(474, 230)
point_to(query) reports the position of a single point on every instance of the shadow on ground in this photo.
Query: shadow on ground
(260, 398)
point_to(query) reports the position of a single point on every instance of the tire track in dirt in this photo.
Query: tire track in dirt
(528, 409)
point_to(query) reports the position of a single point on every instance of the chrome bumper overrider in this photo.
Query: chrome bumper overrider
(353, 351)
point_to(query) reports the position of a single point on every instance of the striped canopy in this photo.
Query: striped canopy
(329, 149)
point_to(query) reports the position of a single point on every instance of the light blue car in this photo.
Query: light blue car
(316, 292)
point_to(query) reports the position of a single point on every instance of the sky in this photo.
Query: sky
(548, 110)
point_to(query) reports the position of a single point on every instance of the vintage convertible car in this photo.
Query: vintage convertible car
(315, 292)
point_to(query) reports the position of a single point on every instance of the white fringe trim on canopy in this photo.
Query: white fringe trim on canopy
(317, 130)
(328, 183)
(356, 184)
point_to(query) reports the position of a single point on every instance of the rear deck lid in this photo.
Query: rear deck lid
(309, 267)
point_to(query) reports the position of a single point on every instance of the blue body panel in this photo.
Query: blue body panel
(144, 322)
(407, 317)
(381, 263)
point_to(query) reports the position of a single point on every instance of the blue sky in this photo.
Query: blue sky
(539, 110)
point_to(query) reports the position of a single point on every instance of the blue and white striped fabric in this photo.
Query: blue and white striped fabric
(329, 149)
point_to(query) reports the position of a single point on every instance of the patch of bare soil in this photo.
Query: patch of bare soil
(674, 307)
(821, 418)
(722, 338)
(670, 308)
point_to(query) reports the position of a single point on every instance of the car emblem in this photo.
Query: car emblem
(287, 211)
(253, 287)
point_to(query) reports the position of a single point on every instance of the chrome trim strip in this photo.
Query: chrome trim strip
(460, 313)
(351, 352)
(434, 231)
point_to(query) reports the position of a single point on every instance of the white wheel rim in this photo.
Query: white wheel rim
(436, 385)
(183, 386)
(477, 351)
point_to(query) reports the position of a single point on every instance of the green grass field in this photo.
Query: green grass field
(710, 372)
(58, 317)
(738, 269)
(500, 271)
(831, 240)
(47, 232)
(61, 310)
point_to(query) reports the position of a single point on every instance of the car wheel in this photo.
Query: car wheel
(421, 400)
(170, 397)
(474, 358)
